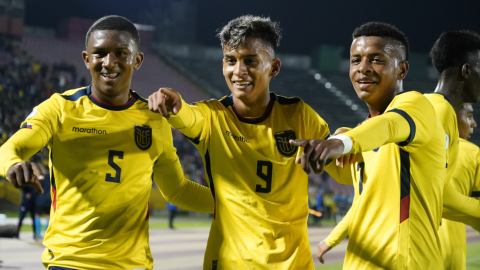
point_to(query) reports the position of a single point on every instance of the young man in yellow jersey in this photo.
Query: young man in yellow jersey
(261, 197)
(466, 180)
(396, 214)
(454, 55)
(105, 148)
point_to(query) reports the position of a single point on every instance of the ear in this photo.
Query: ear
(275, 67)
(466, 71)
(85, 59)
(138, 60)
(402, 70)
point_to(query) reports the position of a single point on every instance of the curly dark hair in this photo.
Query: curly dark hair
(380, 29)
(453, 48)
(235, 32)
(114, 22)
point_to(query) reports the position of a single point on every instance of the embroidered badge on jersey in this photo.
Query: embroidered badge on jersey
(143, 136)
(282, 138)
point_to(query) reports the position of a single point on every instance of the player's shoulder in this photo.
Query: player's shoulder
(72, 95)
(282, 100)
(468, 146)
(412, 100)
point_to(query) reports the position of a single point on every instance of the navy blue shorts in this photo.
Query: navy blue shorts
(59, 268)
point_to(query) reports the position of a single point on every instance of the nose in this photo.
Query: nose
(109, 60)
(239, 69)
(365, 66)
(474, 124)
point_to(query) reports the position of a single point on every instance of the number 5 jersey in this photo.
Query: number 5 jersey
(102, 158)
(260, 193)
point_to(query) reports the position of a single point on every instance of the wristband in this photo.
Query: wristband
(347, 142)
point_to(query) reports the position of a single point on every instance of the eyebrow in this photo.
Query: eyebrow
(103, 48)
(371, 54)
(248, 55)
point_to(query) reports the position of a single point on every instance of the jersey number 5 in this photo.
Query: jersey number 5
(118, 170)
(266, 177)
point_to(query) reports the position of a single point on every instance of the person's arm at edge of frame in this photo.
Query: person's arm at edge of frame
(14, 155)
(338, 234)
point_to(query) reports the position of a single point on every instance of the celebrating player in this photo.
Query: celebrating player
(261, 199)
(391, 225)
(454, 55)
(105, 146)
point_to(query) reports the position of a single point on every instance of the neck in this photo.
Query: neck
(114, 100)
(451, 88)
(381, 105)
(255, 108)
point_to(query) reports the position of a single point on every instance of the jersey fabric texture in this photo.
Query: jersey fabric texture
(447, 116)
(466, 180)
(260, 193)
(398, 210)
(102, 161)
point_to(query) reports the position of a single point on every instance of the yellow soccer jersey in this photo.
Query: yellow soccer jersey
(102, 159)
(447, 116)
(396, 216)
(260, 193)
(466, 180)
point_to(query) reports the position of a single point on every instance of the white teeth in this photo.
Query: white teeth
(111, 75)
(243, 83)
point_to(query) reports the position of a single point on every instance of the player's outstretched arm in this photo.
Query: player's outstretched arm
(175, 188)
(180, 115)
(455, 201)
(387, 128)
(20, 147)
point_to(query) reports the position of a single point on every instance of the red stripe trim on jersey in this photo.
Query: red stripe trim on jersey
(130, 100)
(404, 185)
(54, 201)
(404, 209)
(148, 211)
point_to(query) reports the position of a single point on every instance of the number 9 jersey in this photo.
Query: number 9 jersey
(260, 193)
(102, 158)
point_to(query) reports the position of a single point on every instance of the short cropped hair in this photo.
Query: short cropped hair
(237, 30)
(453, 48)
(380, 29)
(114, 22)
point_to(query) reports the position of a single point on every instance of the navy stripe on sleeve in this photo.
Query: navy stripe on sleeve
(410, 122)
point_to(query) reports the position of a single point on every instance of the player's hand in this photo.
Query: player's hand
(321, 250)
(316, 153)
(25, 174)
(344, 160)
(165, 100)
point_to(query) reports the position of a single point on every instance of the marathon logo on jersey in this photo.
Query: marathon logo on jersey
(143, 136)
(90, 130)
(283, 145)
(236, 138)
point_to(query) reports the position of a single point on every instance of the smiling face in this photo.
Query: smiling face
(111, 57)
(465, 120)
(376, 70)
(248, 70)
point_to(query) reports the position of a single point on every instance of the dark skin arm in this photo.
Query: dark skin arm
(316, 153)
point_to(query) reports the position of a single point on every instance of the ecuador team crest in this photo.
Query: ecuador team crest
(282, 138)
(143, 136)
